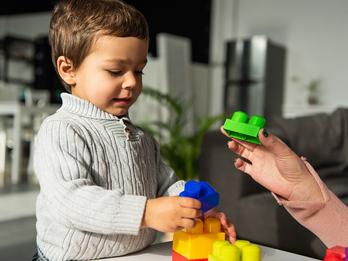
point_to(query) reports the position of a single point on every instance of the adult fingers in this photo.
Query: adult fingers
(243, 166)
(223, 131)
(272, 143)
(248, 145)
(239, 149)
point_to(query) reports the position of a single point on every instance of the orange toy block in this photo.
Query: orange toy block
(197, 243)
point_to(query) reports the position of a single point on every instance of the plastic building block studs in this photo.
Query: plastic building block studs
(336, 253)
(202, 191)
(241, 250)
(243, 128)
(223, 251)
(197, 243)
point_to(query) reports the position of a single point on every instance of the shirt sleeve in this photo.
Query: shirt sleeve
(327, 219)
(168, 183)
(62, 162)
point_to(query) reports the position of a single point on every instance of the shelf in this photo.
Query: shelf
(20, 59)
(16, 52)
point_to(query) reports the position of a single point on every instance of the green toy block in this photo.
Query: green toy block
(243, 128)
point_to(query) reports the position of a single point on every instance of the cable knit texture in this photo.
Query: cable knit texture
(328, 219)
(96, 172)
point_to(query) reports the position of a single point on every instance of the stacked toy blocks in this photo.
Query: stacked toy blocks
(241, 250)
(336, 253)
(243, 128)
(197, 243)
(202, 191)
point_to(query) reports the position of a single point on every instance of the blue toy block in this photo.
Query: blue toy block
(202, 191)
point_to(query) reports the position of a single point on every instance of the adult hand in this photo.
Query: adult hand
(276, 167)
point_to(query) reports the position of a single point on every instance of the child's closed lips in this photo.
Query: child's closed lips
(122, 101)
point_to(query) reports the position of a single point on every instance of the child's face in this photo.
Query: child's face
(110, 76)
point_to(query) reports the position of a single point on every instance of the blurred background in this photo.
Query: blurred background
(278, 58)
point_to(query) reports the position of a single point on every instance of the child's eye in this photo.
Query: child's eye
(115, 73)
(139, 72)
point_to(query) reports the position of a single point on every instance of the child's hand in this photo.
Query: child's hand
(228, 228)
(169, 214)
(276, 167)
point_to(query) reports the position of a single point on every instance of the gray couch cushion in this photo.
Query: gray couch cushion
(261, 220)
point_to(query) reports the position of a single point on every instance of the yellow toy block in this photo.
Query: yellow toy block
(197, 243)
(241, 250)
(251, 252)
(224, 251)
(241, 243)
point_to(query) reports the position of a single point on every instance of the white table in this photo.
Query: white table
(163, 252)
(17, 111)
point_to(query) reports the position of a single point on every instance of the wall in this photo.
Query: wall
(315, 34)
(31, 25)
(223, 27)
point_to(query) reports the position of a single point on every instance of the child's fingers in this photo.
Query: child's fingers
(228, 227)
(232, 237)
(220, 215)
(223, 219)
(187, 202)
(191, 213)
(230, 231)
(187, 223)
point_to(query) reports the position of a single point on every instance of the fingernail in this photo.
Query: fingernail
(265, 133)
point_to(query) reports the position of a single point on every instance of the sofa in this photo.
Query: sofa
(321, 138)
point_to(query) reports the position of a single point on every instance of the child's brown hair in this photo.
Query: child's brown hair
(76, 25)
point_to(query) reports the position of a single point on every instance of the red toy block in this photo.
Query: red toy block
(177, 257)
(336, 253)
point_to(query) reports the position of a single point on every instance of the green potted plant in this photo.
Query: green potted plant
(180, 150)
(313, 92)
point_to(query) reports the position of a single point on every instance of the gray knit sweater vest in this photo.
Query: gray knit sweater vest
(96, 172)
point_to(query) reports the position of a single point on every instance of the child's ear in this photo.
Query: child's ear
(66, 70)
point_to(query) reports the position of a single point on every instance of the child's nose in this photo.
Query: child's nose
(130, 81)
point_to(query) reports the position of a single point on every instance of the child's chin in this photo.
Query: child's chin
(119, 112)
